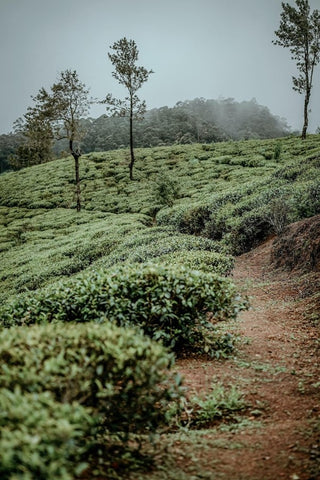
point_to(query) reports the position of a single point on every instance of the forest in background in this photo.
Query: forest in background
(198, 120)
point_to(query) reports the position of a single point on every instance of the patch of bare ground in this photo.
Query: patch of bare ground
(277, 369)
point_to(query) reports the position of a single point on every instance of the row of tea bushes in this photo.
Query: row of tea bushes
(60, 386)
(169, 303)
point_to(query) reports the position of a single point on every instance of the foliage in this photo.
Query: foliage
(49, 245)
(278, 215)
(166, 189)
(59, 113)
(206, 261)
(36, 137)
(308, 200)
(127, 73)
(42, 241)
(199, 120)
(299, 31)
(41, 438)
(121, 376)
(218, 403)
(167, 303)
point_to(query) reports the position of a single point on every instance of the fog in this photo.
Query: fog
(203, 48)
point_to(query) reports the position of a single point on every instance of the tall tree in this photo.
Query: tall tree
(299, 31)
(63, 108)
(124, 59)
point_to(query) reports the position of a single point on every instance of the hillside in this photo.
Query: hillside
(168, 254)
(226, 198)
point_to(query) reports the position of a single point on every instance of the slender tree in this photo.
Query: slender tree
(299, 31)
(63, 108)
(124, 59)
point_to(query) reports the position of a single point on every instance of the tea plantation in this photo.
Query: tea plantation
(95, 305)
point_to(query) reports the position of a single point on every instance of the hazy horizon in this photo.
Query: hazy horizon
(206, 49)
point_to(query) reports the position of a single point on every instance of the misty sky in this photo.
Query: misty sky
(197, 48)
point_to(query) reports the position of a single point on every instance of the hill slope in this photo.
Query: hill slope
(197, 205)
(227, 198)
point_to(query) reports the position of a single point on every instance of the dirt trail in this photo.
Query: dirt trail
(277, 368)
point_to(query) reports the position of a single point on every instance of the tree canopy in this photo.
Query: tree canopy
(299, 31)
(124, 59)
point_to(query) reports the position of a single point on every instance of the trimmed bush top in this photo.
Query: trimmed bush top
(167, 303)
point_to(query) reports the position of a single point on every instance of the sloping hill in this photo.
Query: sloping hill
(234, 194)
(196, 205)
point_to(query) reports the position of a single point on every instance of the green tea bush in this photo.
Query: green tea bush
(165, 189)
(194, 219)
(189, 220)
(249, 230)
(41, 438)
(307, 201)
(277, 151)
(153, 244)
(167, 303)
(121, 376)
(289, 173)
(210, 262)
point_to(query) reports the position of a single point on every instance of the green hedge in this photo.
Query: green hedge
(168, 303)
(122, 376)
(41, 439)
(210, 262)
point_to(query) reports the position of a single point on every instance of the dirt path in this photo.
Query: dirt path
(277, 369)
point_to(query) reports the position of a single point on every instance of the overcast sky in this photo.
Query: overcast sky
(197, 48)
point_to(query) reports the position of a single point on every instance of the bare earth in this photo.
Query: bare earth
(277, 368)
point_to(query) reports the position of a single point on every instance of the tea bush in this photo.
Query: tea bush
(41, 438)
(121, 376)
(168, 303)
(308, 200)
(153, 244)
(165, 189)
(248, 231)
(210, 262)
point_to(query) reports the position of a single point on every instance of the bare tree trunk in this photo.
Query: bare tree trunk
(76, 162)
(76, 155)
(132, 159)
(306, 115)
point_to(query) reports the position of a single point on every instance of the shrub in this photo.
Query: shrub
(39, 437)
(210, 262)
(267, 154)
(277, 214)
(122, 376)
(165, 189)
(217, 404)
(289, 173)
(248, 231)
(168, 303)
(194, 220)
(277, 151)
(186, 219)
(308, 201)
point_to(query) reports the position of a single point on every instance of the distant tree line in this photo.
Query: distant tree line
(198, 120)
